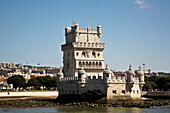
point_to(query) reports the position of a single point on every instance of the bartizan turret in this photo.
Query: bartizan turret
(140, 74)
(99, 30)
(107, 74)
(130, 78)
(130, 74)
(60, 75)
(82, 74)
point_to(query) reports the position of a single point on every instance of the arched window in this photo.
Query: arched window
(98, 54)
(83, 64)
(97, 64)
(89, 64)
(94, 54)
(80, 64)
(93, 65)
(83, 53)
(100, 64)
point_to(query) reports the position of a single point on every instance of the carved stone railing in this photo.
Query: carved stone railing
(88, 44)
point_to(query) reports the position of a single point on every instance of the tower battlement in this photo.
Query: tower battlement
(76, 34)
(84, 71)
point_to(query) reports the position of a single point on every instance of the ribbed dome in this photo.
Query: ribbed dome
(130, 71)
(60, 73)
(107, 71)
(76, 24)
(66, 27)
(98, 25)
(140, 72)
(81, 71)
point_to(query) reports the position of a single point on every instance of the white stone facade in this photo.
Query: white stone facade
(84, 72)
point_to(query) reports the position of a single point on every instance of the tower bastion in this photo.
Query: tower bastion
(84, 71)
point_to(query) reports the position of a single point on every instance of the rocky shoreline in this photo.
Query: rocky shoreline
(53, 103)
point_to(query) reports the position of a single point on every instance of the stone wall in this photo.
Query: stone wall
(40, 93)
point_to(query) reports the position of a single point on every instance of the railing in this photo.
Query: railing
(88, 44)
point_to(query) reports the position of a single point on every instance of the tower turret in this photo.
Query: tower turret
(66, 30)
(99, 30)
(107, 73)
(83, 47)
(82, 74)
(130, 74)
(141, 77)
(60, 75)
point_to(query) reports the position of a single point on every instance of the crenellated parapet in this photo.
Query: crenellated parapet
(76, 29)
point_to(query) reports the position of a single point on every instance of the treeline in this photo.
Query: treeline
(41, 82)
(160, 83)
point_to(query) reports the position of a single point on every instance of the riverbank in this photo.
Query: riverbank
(48, 99)
(29, 93)
(39, 102)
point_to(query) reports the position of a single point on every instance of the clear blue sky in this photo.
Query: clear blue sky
(134, 31)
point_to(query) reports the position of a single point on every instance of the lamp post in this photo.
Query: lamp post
(144, 68)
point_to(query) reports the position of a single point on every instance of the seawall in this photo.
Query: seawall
(30, 93)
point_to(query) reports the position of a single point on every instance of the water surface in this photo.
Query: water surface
(85, 110)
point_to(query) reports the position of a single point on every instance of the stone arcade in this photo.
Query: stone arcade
(84, 71)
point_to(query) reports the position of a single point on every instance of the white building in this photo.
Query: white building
(84, 71)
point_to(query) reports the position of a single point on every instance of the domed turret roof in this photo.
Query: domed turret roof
(107, 71)
(60, 73)
(98, 25)
(76, 24)
(81, 71)
(140, 72)
(130, 71)
(66, 27)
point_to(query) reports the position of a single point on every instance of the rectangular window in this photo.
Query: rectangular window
(114, 91)
(99, 77)
(123, 91)
(133, 91)
(137, 91)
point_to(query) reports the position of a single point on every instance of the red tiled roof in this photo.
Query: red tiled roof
(2, 79)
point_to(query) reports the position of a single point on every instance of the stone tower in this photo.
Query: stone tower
(83, 48)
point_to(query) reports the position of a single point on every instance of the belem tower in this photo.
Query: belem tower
(84, 70)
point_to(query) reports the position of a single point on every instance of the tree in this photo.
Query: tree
(164, 83)
(52, 83)
(147, 86)
(33, 82)
(43, 80)
(17, 81)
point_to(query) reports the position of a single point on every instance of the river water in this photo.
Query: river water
(85, 110)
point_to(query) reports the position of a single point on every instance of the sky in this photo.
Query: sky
(134, 31)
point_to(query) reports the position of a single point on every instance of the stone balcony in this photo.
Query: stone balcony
(84, 45)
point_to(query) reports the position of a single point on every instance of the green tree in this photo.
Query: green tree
(43, 80)
(164, 83)
(147, 86)
(33, 82)
(52, 83)
(17, 81)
